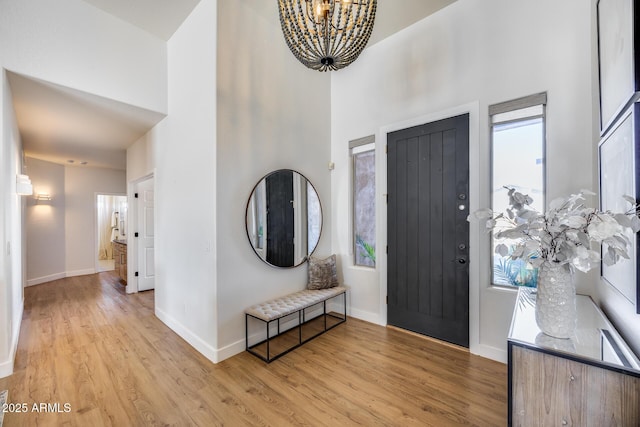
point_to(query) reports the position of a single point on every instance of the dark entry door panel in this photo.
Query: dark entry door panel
(428, 234)
(280, 227)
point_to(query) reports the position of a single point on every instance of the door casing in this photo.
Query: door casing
(478, 238)
(145, 230)
(132, 220)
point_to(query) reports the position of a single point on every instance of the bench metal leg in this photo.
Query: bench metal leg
(268, 340)
(300, 317)
(324, 313)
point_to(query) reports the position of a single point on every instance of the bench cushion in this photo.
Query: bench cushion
(291, 303)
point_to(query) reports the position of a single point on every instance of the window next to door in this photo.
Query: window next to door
(518, 161)
(363, 201)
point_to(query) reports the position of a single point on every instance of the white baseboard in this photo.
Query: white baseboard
(367, 316)
(45, 279)
(231, 350)
(56, 276)
(81, 272)
(493, 353)
(6, 367)
(195, 341)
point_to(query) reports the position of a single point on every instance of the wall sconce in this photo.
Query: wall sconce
(43, 196)
(23, 185)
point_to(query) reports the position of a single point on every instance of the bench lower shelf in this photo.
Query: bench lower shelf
(280, 342)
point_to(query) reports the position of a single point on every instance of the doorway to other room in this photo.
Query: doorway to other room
(111, 225)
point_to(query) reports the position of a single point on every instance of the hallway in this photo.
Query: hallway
(85, 343)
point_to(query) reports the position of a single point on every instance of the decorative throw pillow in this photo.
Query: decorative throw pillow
(322, 273)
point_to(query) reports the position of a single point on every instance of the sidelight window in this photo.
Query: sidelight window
(363, 201)
(517, 161)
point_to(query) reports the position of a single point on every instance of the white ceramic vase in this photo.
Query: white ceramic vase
(556, 300)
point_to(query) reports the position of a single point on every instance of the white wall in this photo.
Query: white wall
(185, 184)
(70, 43)
(45, 223)
(140, 166)
(237, 110)
(17, 237)
(140, 161)
(273, 113)
(11, 231)
(6, 352)
(465, 57)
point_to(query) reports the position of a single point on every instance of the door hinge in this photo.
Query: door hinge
(135, 195)
(135, 234)
(386, 198)
(136, 274)
(387, 300)
(386, 149)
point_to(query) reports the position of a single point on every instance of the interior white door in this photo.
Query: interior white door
(145, 232)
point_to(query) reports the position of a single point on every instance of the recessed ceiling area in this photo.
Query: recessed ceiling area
(58, 124)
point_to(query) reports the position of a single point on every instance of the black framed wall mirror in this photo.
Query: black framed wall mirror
(284, 218)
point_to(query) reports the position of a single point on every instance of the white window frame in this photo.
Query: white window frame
(517, 110)
(357, 146)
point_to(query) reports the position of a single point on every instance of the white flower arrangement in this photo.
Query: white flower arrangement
(564, 233)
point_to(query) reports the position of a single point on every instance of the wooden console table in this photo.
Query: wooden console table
(590, 379)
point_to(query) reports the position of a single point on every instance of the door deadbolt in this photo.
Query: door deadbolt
(462, 196)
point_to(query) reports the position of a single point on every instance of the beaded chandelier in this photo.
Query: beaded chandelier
(327, 34)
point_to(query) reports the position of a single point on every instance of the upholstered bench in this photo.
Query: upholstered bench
(300, 312)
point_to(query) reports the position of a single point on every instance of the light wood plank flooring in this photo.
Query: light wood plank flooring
(85, 343)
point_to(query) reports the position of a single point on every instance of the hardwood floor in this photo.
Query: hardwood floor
(85, 343)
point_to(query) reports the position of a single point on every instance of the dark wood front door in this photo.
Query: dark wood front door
(428, 232)
(279, 193)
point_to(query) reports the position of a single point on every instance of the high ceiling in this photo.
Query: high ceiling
(59, 124)
(158, 17)
(391, 15)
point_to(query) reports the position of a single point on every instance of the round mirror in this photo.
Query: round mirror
(284, 218)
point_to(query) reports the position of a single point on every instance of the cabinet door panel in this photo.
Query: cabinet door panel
(550, 390)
